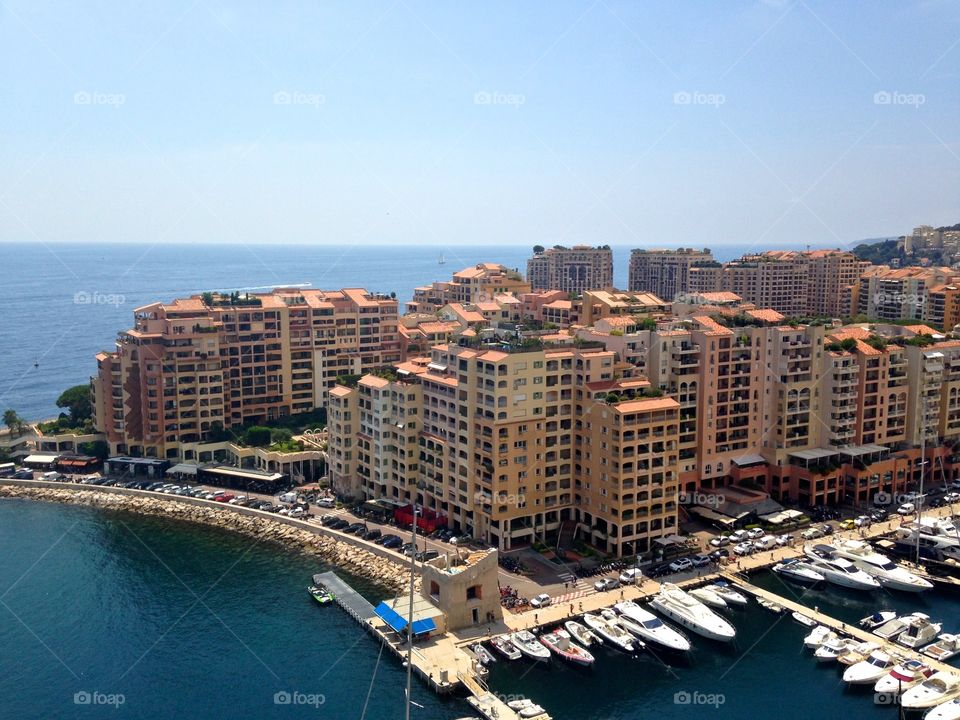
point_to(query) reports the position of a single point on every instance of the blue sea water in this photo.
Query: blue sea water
(66, 302)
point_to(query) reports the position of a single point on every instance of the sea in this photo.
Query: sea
(108, 614)
(65, 302)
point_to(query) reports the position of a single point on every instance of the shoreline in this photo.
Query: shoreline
(289, 533)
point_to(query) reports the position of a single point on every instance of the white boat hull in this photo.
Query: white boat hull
(690, 625)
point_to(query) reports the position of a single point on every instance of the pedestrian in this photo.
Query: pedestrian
(581, 606)
(571, 608)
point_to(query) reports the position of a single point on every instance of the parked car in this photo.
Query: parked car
(847, 524)
(372, 534)
(720, 541)
(755, 533)
(812, 533)
(700, 561)
(738, 536)
(606, 584)
(863, 521)
(951, 497)
(681, 565)
(744, 548)
(326, 503)
(767, 542)
(355, 528)
(784, 540)
(630, 576)
(879, 515)
(392, 541)
(541, 601)
(907, 509)
(717, 555)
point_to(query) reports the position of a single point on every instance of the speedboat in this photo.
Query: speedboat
(891, 628)
(872, 622)
(483, 655)
(320, 594)
(610, 632)
(798, 571)
(936, 689)
(803, 619)
(559, 642)
(527, 643)
(771, 606)
(526, 708)
(901, 677)
(837, 570)
(691, 613)
(506, 648)
(581, 634)
(859, 652)
(726, 591)
(708, 597)
(870, 669)
(832, 648)
(649, 628)
(946, 648)
(949, 710)
(879, 566)
(919, 632)
(818, 636)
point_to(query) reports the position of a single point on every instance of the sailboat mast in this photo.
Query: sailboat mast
(413, 566)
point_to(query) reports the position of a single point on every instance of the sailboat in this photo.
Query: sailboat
(441, 260)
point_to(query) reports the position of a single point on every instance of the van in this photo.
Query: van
(767, 542)
(50, 476)
(289, 497)
(630, 576)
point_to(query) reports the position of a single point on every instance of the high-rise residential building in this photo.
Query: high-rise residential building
(480, 283)
(830, 274)
(777, 280)
(898, 294)
(573, 270)
(942, 308)
(209, 362)
(665, 273)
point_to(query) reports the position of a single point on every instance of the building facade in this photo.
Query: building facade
(572, 270)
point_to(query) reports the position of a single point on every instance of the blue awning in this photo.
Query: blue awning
(424, 626)
(390, 616)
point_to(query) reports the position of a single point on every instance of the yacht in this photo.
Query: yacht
(581, 634)
(649, 628)
(872, 622)
(949, 710)
(559, 642)
(691, 613)
(798, 571)
(502, 645)
(901, 677)
(946, 648)
(870, 669)
(818, 636)
(919, 632)
(708, 597)
(838, 571)
(935, 690)
(859, 652)
(728, 593)
(832, 648)
(610, 632)
(934, 534)
(879, 566)
(527, 643)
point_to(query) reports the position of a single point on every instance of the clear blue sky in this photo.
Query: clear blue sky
(629, 123)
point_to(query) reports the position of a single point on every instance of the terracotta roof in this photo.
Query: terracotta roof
(646, 405)
(766, 315)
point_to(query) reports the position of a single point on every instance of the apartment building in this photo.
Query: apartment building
(666, 273)
(898, 294)
(573, 270)
(209, 362)
(597, 304)
(480, 283)
(942, 308)
(777, 280)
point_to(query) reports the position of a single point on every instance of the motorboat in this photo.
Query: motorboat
(803, 619)
(581, 634)
(692, 614)
(891, 628)
(935, 690)
(708, 597)
(860, 651)
(610, 632)
(818, 636)
(771, 606)
(798, 571)
(728, 593)
(559, 643)
(879, 566)
(483, 655)
(949, 710)
(320, 594)
(901, 677)
(920, 631)
(649, 628)
(506, 648)
(526, 708)
(527, 643)
(832, 648)
(946, 648)
(837, 570)
(872, 622)
(931, 533)
(870, 669)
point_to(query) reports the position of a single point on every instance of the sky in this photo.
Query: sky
(759, 123)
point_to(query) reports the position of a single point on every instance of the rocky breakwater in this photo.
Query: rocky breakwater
(346, 554)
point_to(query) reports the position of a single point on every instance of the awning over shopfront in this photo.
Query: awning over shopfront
(40, 459)
(745, 460)
(182, 469)
(712, 515)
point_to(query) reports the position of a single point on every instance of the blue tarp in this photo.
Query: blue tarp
(424, 626)
(390, 616)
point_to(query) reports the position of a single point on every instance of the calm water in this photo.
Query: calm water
(64, 303)
(189, 621)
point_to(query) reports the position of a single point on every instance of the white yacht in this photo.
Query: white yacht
(833, 648)
(870, 669)
(872, 622)
(935, 690)
(691, 613)
(610, 632)
(728, 593)
(708, 597)
(527, 643)
(818, 636)
(946, 648)
(581, 634)
(901, 677)
(920, 631)
(879, 566)
(934, 533)
(798, 571)
(649, 628)
(838, 571)
(949, 710)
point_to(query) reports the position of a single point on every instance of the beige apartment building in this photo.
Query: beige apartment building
(573, 270)
(666, 273)
(899, 294)
(209, 362)
(481, 283)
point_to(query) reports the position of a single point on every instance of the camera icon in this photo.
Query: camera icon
(482, 97)
(682, 98)
(282, 698)
(882, 97)
(682, 698)
(882, 498)
(885, 698)
(81, 97)
(82, 698)
(281, 97)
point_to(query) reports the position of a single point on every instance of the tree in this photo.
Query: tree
(12, 420)
(538, 249)
(77, 401)
(207, 298)
(257, 436)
